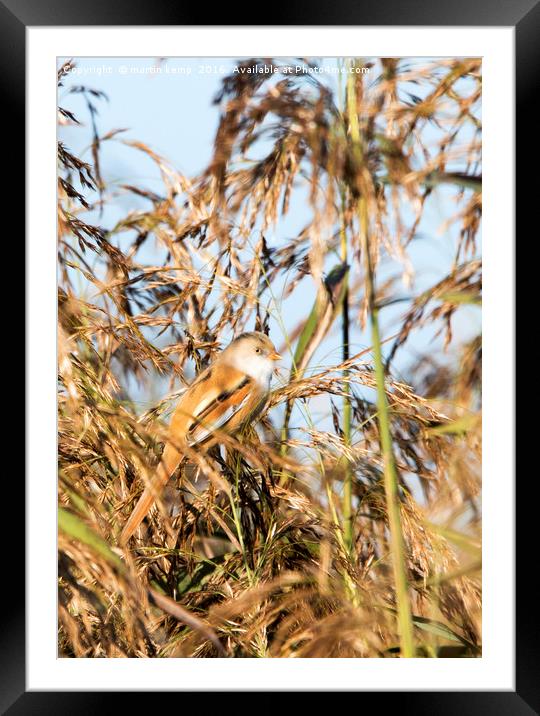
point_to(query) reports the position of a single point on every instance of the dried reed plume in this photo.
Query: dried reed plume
(352, 535)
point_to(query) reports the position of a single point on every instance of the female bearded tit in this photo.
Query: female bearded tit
(227, 395)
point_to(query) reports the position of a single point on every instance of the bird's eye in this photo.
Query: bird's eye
(257, 350)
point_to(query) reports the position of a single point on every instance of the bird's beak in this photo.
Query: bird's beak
(275, 356)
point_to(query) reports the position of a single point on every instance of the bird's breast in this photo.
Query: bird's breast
(260, 370)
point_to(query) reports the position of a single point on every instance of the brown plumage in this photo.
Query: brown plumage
(227, 395)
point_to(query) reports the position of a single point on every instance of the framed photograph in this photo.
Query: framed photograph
(282, 425)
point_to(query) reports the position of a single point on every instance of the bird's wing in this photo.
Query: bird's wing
(217, 414)
(203, 429)
(219, 398)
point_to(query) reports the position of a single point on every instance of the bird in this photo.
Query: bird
(226, 396)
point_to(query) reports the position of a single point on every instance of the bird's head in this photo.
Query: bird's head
(254, 354)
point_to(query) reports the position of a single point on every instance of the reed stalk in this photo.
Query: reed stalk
(347, 413)
(269, 548)
(391, 482)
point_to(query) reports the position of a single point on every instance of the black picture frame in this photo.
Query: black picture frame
(524, 16)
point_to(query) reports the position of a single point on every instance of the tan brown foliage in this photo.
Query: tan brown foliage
(249, 541)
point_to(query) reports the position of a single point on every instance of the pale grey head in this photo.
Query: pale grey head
(254, 354)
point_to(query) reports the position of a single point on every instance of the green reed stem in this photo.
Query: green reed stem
(391, 482)
(348, 530)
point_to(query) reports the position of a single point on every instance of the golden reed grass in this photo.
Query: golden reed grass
(282, 542)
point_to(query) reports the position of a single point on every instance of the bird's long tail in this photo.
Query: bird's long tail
(169, 462)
